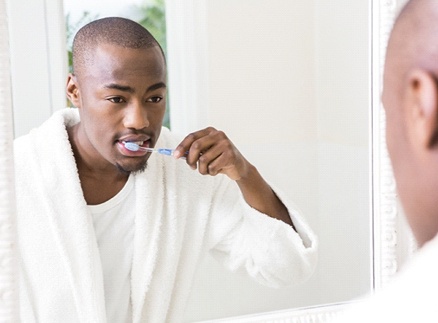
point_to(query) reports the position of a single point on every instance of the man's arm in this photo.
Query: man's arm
(211, 152)
(259, 195)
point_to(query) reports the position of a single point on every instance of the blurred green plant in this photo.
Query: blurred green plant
(153, 18)
(151, 15)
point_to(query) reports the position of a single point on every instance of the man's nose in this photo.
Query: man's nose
(136, 116)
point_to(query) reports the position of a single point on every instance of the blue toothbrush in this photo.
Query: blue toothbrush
(132, 146)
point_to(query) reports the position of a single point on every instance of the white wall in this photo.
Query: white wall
(257, 72)
(343, 76)
(289, 82)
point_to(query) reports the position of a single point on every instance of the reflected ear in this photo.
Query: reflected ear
(422, 107)
(72, 90)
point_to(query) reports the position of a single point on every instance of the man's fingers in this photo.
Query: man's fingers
(189, 140)
(211, 152)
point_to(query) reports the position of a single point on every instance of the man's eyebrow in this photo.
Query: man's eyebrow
(157, 86)
(116, 86)
(129, 89)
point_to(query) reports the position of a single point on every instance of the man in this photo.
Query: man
(410, 98)
(107, 234)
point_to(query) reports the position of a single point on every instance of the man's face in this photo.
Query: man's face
(121, 98)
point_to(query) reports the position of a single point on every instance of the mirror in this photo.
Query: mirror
(290, 83)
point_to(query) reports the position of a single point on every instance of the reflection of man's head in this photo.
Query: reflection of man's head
(113, 30)
(410, 99)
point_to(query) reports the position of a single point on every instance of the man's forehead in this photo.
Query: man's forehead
(113, 56)
(115, 49)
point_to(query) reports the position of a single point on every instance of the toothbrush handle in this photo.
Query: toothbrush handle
(169, 152)
(165, 151)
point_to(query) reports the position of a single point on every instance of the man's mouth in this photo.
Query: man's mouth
(126, 143)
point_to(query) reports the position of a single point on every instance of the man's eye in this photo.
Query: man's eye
(116, 99)
(155, 99)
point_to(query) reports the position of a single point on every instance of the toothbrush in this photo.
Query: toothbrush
(135, 147)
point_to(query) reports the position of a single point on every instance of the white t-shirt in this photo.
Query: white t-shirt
(114, 227)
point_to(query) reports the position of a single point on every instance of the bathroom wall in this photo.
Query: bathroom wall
(343, 86)
(289, 82)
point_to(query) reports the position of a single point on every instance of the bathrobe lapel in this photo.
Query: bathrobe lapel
(148, 222)
(71, 224)
(159, 230)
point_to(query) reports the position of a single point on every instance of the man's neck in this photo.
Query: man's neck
(97, 190)
(99, 184)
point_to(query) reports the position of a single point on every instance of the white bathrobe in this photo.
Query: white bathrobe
(410, 297)
(180, 216)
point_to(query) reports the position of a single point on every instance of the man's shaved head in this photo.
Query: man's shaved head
(413, 42)
(410, 98)
(114, 30)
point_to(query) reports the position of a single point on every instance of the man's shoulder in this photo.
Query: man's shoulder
(58, 120)
(51, 130)
(407, 298)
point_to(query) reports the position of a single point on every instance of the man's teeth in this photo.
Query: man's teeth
(140, 143)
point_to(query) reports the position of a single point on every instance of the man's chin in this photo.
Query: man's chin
(132, 169)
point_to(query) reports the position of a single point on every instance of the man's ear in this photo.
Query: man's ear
(72, 90)
(422, 107)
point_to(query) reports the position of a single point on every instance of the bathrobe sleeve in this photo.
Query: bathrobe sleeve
(269, 250)
(242, 238)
